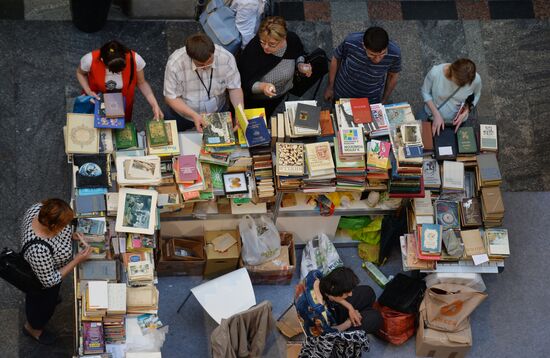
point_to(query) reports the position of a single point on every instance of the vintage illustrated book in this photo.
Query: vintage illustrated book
(378, 154)
(488, 140)
(319, 156)
(453, 175)
(431, 237)
(91, 226)
(447, 214)
(93, 170)
(466, 140)
(473, 243)
(138, 170)
(470, 212)
(290, 159)
(431, 174)
(445, 144)
(106, 144)
(399, 113)
(414, 151)
(496, 241)
(92, 335)
(243, 117)
(100, 118)
(126, 137)
(187, 168)
(360, 108)
(218, 130)
(307, 116)
(173, 145)
(411, 134)
(156, 133)
(137, 211)
(491, 198)
(351, 141)
(114, 104)
(81, 136)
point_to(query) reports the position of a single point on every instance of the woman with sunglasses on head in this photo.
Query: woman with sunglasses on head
(115, 68)
(269, 63)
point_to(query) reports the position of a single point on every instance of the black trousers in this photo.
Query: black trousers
(361, 299)
(39, 307)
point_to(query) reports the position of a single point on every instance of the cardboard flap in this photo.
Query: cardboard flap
(459, 337)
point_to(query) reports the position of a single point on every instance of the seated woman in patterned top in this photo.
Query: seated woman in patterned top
(51, 260)
(335, 303)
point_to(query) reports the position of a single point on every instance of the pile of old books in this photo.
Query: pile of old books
(320, 168)
(301, 119)
(289, 168)
(142, 299)
(378, 161)
(218, 135)
(349, 156)
(488, 182)
(263, 172)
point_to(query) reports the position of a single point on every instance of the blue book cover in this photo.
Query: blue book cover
(90, 191)
(101, 120)
(413, 151)
(431, 238)
(257, 133)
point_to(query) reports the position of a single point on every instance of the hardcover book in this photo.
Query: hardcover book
(327, 127)
(173, 145)
(431, 238)
(430, 172)
(491, 199)
(319, 156)
(114, 104)
(471, 212)
(90, 204)
(81, 137)
(427, 137)
(126, 137)
(453, 175)
(445, 144)
(497, 243)
(257, 133)
(489, 170)
(466, 140)
(92, 170)
(411, 134)
(100, 118)
(488, 137)
(351, 141)
(307, 116)
(414, 151)
(447, 214)
(156, 133)
(473, 244)
(399, 113)
(360, 108)
(219, 129)
(290, 159)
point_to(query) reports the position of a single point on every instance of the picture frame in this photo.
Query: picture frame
(137, 211)
(235, 183)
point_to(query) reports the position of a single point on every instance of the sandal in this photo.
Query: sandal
(46, 338)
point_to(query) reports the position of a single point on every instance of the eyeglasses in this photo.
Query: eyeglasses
(203, 65)
(270, 45)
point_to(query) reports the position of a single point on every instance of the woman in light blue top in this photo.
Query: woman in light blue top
(446, 88)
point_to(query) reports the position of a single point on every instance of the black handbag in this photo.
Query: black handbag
(403, 293)
(17, 271)
(319, 67)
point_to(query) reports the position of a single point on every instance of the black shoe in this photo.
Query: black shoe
(45, 337)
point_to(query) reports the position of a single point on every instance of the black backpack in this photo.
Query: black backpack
(403, 293)
(17, 271)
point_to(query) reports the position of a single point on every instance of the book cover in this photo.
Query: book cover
(431, 174)
(360, 108)
(466, 140)
(414, 151)
(351, 141)
(307, 116)
(491, 198)
(447, 214)
(156, 133)
(81, 137)
(114, 104)
(187, 168)
(471, 212)
(327, 127)
(379, 118)
(257, 133)
(488, 137)
(453, 175)
(411, 134)
(497, 243)
(243, 116)
(473, 243)
(431, 238)
(427, 137)
(219, 129)
(173, 145)
(98, 270)
(92, 170)
(319, 156)
(290, 158)
(445, 144)
(126, 137)
(92, 335)
(106, 141)
(488, 167)
(399, 113)
(90, 203)
(100, 118)
(378, 154)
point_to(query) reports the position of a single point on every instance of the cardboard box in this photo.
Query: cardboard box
(439, 344)
(219, 263)
(181, 267)
(276, 276)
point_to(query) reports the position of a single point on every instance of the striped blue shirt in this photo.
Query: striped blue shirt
(358, 76)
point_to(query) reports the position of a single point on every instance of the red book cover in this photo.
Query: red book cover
(360, 108)
(187, 166)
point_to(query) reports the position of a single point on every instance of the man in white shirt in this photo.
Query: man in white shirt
(197, 79)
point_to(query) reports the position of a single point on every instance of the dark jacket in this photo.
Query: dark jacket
(254, 63)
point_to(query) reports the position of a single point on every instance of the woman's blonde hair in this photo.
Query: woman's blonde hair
(274, 27)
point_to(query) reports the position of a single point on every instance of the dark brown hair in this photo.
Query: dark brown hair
(463, 71)
(55, 214)
(199, 47)
(113, 55)
(376, 39)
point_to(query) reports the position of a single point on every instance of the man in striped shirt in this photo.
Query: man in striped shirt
(365, 65)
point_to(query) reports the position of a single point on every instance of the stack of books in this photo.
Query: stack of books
(263, 173)
(162, 145)
(423, 209)
(95, 301)
(466, 145)
(429, 241)
(378, 161)
(496, 242)
(109, 111)
(488, 171)
(453, 177)
(289, 168)
(431, 174)
(492, 206)
(114, 329)
(116, 298)
(301, 119)
(140, 272)
(138, 170)
(142, 300)
(411, 150)
(320, 168)
(351, 170)
(218, 134)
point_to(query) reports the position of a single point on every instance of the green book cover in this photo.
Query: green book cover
(216, 172)
(466, 140)
(156, 133)
(126, 137)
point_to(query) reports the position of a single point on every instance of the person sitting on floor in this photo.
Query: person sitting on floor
(269, 63)
(197, 79)
(446, 87)
(365, 65)
(115, 68)
(335, 303)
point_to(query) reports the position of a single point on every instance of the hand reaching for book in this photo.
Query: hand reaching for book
(157, 113)
(84, 254)
(200, 124)
(461, 118)
(437, 123)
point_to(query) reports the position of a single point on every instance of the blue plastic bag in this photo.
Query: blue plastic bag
(82, 104)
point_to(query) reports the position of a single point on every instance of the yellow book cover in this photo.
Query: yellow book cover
(82, 137)
(319, 156)
(248, 113)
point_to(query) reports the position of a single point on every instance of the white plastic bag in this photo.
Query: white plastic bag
(320, 254)
(261, 241)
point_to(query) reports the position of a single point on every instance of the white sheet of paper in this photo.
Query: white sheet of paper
(479, 259)
(190, 143)
(226, 295)
(446, 150)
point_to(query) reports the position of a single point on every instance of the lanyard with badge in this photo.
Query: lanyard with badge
(211, 104)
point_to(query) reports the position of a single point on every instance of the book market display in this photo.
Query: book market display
(142, 197)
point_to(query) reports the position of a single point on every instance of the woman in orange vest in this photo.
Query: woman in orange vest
(115, 68)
